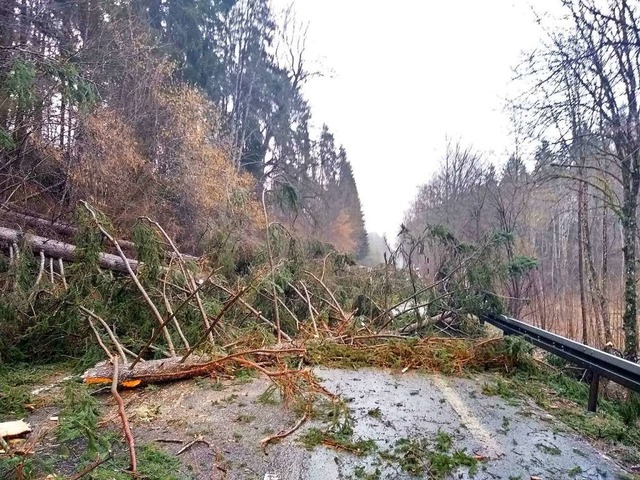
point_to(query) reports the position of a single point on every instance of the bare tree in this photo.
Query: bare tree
(598, 49)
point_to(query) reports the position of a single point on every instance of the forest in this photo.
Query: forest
(171, 210)
(571, 206)
(170, 109)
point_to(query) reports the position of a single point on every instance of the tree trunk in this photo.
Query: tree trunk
(64, 251)
(604, 306)
(172, 369)
(597, 301)
(583, 300)
(46, 227)
(629, 319)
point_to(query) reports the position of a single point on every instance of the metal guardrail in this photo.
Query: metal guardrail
(600, 363)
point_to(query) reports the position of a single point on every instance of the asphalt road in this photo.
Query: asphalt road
(516, 441)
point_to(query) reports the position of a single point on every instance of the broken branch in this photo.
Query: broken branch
(280, 435)
(134, 277)
(123, 416)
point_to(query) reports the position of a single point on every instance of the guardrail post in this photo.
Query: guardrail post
(593, 391)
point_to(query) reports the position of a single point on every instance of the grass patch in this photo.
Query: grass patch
(575, 471)
(153, 463)
(16, 384)
(82, 442)
(553, 450)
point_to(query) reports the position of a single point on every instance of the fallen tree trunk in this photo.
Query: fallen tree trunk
(38, 222)
(415, 326)
(172, 369)
(61, 250)
(68, 230)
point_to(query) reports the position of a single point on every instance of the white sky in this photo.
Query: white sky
(405, 74)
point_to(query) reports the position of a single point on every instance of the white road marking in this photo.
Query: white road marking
(479, 432)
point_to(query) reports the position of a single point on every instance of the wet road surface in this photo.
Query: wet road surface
(515, 441)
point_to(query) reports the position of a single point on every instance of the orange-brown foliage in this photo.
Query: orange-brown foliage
(340, 233)
(176, 174)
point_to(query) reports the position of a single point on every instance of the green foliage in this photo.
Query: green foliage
(79, 418)
(442, 234)
(20, 82)
(6, 140)
(286, 196)
(360, 472)
(89, 244)
(519, 350)
(339, 432)
(340, 440)
(76, 89)
(269, 396)
(501, 237)
(375, 413)
(28, 468)
(629, 409)
(417, 456)
(16, 383)
(442, 354)
(155, 463)
(499, 388)
(150, 253)
(521, 265)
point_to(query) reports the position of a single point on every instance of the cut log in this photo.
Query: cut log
(172, 369)
(62, 250)
(14, 429)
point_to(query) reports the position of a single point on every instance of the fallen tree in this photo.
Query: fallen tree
(64, 251)
(172, 369)
(38, 222)
(43, 225)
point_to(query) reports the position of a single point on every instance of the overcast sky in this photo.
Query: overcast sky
(403, 76)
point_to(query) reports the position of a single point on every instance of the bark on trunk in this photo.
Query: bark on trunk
(47, 226)
(51, 226)
(595, 294)
(583, 300)
(62, 250)
(604, 306)
(152, 371)
(630, 319)
(172, 369)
